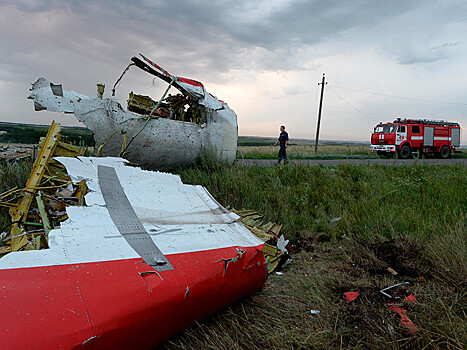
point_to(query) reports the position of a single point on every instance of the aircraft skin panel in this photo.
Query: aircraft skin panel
(92, 289)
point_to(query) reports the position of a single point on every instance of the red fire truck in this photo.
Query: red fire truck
(407, 136)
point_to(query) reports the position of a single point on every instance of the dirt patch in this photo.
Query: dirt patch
(404, 256)
(306, 242)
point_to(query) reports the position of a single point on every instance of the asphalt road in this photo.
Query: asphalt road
(334, 162)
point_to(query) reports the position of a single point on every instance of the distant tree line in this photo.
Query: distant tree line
(32, 135)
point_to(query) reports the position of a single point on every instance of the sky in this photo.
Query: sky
(382, 59)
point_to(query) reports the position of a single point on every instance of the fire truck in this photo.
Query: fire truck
(408, 136)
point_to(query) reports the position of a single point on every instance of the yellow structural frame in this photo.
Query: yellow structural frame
(20, 212)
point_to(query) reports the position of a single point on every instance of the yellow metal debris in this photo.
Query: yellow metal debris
(38, 169)
(53, 191)
(268, 232)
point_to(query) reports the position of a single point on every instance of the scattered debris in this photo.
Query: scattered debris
(405, 321)
(383, 291)
(391, 270)
(335, 220)
(286, 263)
(40, 206)
(314, 312)
(351, 296)
(282, 244)
(411, 297)
(275, 247)
(124, 250)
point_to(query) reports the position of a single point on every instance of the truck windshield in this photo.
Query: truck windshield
(385, 128)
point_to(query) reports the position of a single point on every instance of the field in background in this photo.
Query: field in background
(331, 151)
(347, 224)
(30, 134)
(262, 148)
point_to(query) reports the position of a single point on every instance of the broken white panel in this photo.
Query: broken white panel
(157, 198)
(47, 95)
(162, 203)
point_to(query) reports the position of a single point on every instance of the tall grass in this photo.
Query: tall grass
(11, 176)
(374, 202)
(416, 215)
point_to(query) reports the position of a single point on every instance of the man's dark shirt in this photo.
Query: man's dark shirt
(284, 136)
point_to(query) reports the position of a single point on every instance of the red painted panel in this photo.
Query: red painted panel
(127, 309)
(42, 308)
(130, 310)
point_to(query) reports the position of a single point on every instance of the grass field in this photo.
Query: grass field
(410, 218)
(307, 152)
(325, 151)
(12, 176)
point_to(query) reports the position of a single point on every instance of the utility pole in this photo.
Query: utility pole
(319, 113)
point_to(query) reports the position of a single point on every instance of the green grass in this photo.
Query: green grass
(265, 150)
(373, 201)
(255, 141)
(411, 218)
(12, 176)
(338, 151)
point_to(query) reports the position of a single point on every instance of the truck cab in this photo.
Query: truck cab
(383, 139)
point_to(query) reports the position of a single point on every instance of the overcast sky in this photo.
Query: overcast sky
(264, 58)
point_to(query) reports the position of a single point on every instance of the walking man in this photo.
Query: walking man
(283, 141)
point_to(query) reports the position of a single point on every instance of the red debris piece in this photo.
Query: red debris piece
(351, 296)
(411, 297)
(405, 321)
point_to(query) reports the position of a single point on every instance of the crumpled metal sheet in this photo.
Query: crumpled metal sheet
(161, 143)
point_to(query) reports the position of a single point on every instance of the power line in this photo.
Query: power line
(401, 97)
(364, 114)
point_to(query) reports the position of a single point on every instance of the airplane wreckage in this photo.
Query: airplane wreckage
(156, 135)
(104, 255)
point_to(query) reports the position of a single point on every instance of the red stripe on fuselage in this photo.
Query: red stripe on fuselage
(45, 307)
(190, 81)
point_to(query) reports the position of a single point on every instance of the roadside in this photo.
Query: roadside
(335, 162)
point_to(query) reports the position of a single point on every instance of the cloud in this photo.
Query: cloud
(215, 37)
(260, 55)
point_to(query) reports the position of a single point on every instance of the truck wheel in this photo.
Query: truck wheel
(445, 152)
(404, 152)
